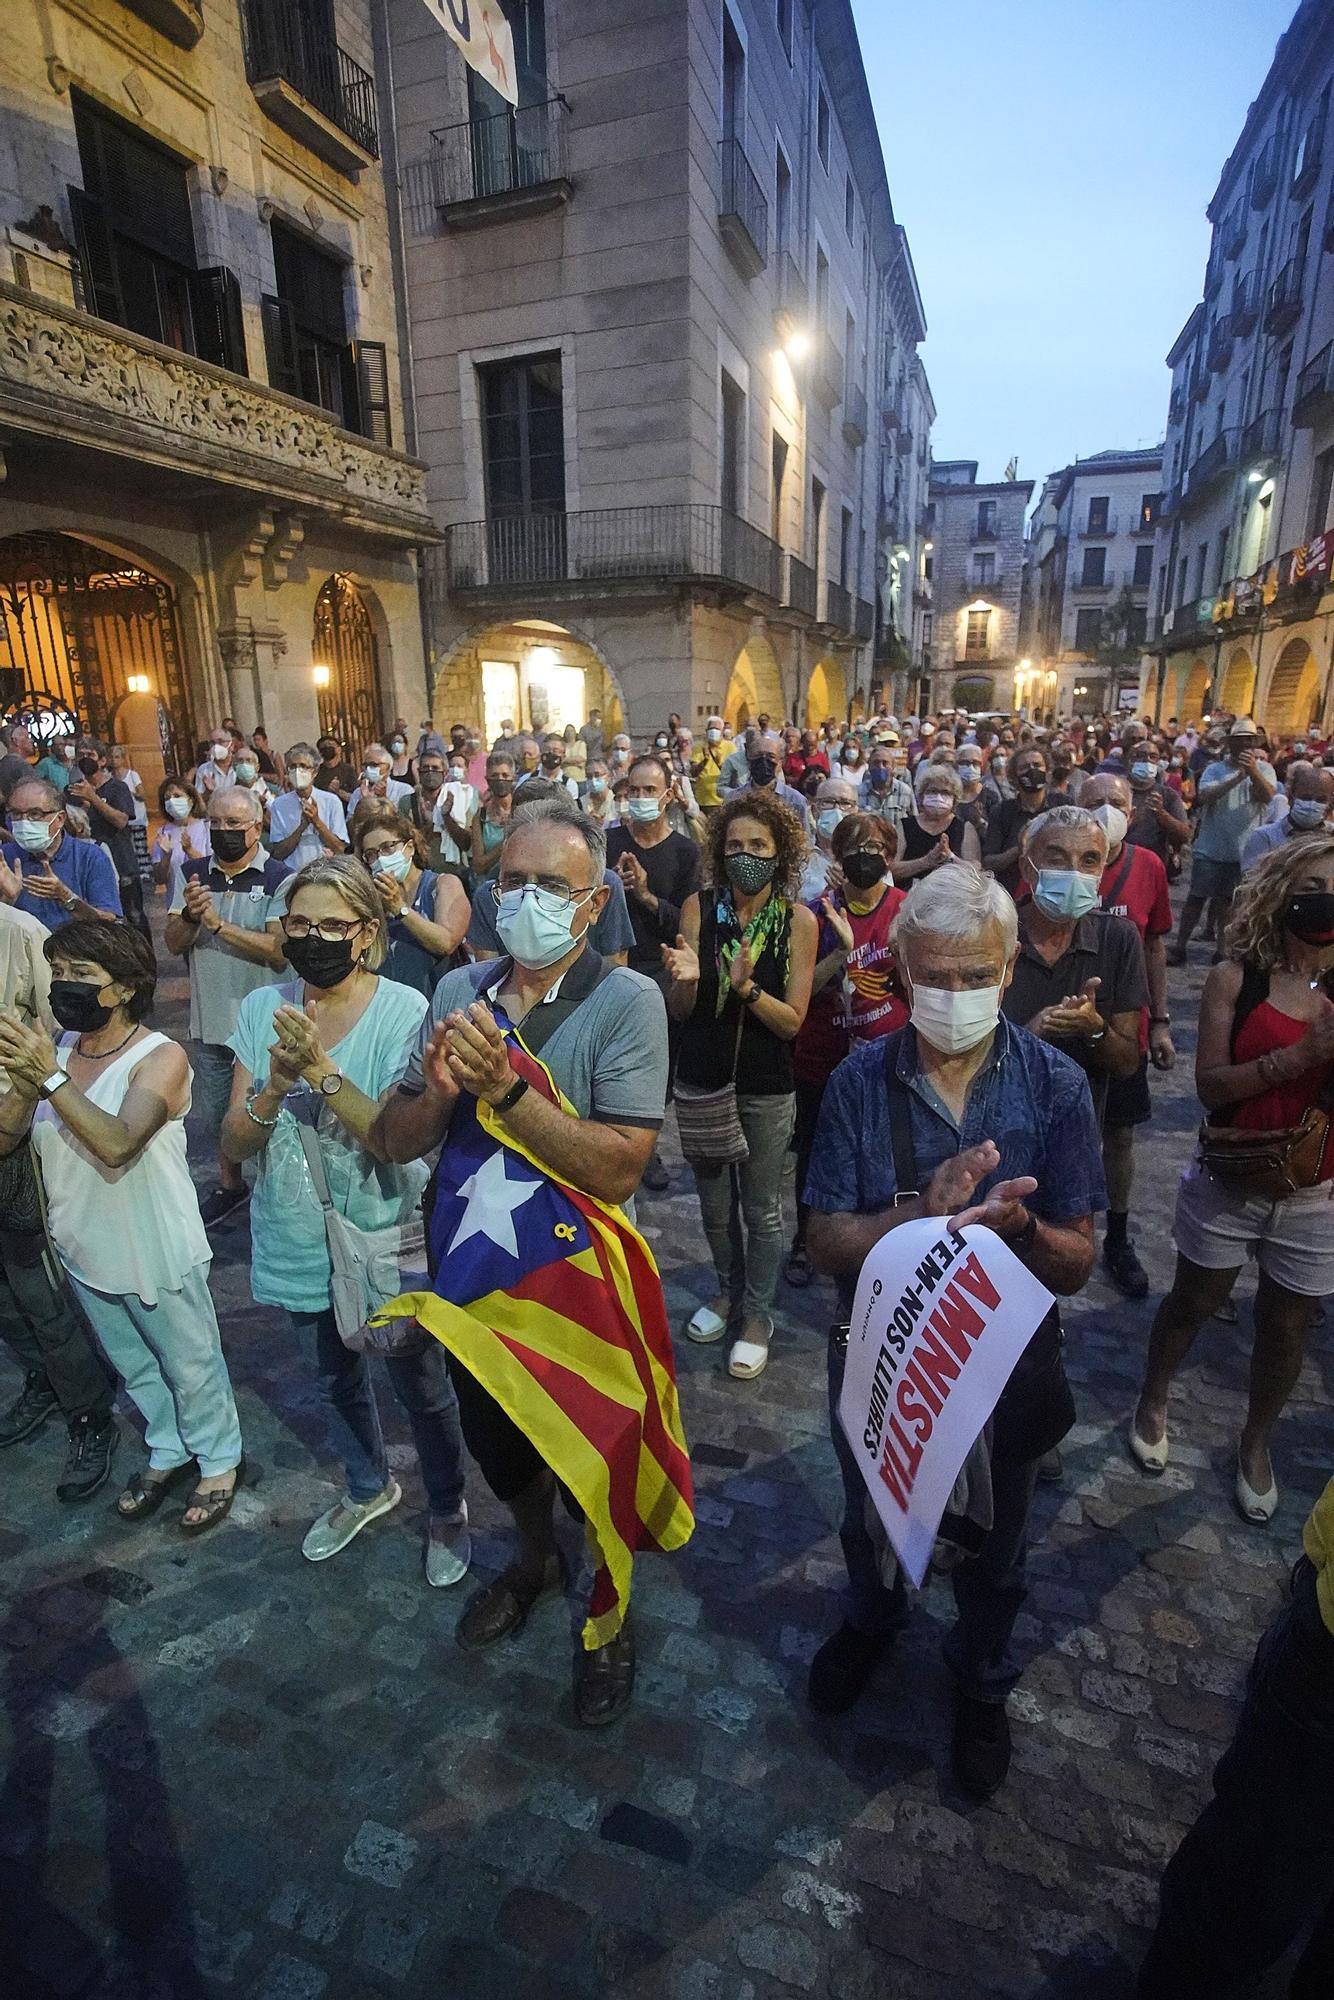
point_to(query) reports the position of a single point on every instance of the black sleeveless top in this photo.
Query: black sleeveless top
(708, 1038)
(918, 843)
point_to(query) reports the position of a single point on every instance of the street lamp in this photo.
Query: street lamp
(320, 676)
(797, 345)
(137, 683)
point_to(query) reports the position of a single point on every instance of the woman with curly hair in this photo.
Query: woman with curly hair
(1265, 1058)
(740, 985)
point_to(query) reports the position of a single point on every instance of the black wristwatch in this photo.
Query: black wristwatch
(1027, 1235)
(512, 1095)
(749, 999)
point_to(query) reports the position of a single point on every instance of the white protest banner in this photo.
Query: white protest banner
(485, 37)
(940, 1318)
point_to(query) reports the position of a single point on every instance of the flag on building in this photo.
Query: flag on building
(485, 37)
(1012, 469)
(553, 1301)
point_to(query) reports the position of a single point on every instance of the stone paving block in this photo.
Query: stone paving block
(785, 1953)
(381, 1854)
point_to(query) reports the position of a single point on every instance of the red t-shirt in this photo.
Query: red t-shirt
(861, 1006)
(1286, 1104)
(1143, 897)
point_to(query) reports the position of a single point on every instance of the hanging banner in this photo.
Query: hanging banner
(940, 1318)
(485, 37)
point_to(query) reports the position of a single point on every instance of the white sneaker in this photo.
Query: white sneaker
(343, 1522)
(448, 1548)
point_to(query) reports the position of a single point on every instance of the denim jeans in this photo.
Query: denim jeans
(989, 1588)
(170, 1358)
(212, 1064)
(421, 1383)
(39, 1323)
(1258, 1864)
(748, 1262)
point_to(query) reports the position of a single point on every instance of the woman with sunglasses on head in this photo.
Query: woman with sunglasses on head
(320, 1053)
(107, 1114)
(427, 913)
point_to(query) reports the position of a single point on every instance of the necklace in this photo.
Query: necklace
(79, 1048)
(1314, 984)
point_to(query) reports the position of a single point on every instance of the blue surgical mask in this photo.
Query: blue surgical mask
(1305, 814)
(597, 786)
(33, 835)
(643, 809)
(395, 861)
(1142, 773)
(825, 822)
(1063, 894)
(534, 925)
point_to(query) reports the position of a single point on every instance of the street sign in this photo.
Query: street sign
(484, 35)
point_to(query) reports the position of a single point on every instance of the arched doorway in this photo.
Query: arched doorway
(827, 693)
(89, 638)
(531, 673)
(756, 686)
(1294, 691)
(343, 643)
(1194, 693)
(1238, 690)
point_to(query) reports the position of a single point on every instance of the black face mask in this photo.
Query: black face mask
(862, 870)
(230, 842)
(1308, 915)
(319, 962)
(90, 766)
(763, 770)
(76, 1005)
(1031, 780)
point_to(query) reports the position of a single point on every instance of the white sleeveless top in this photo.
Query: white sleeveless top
(132, 1230)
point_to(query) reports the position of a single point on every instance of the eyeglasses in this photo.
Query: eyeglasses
(38, 813)
(559, 894)
(333, 930)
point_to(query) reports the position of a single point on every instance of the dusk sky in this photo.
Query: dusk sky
(1051, 163)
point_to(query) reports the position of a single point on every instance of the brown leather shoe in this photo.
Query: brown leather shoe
(604, 1680)
(500, 1609)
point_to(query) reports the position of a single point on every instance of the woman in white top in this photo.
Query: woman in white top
(183, 836)
(107, 1114)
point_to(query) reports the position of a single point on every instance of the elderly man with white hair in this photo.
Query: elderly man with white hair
(972, 1118)
(378, 782)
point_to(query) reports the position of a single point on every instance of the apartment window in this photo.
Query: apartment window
(1143, 566)
(782, 200)
(977, 641)
(734, 81)
(928, 567)
(928, 627)
(822, 126)
(528, 25)
(1088, 631)
(1322, 492)
(1151, 504)
(846, 565)
(784, 18)
(986, 517)
(733, 444)
(1099, 514)
(817, 521)
(849, 208)
(1094, 572)
(305, 329)
(1137, 625)
(523, 436)
(777, 487)
(984, 567)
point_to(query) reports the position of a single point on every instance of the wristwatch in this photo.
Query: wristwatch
(49, 1085)
(748, 999)
(331, 1084)
(512, 1095)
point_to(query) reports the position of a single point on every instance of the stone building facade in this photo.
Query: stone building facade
(648, 318)
(207, 507)
(975, 572)
(1242, 584)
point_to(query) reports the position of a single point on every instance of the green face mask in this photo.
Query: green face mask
(750, 872)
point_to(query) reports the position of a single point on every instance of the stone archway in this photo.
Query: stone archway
(1192, 692)
(539, 672)
(1294, 691)
(756, 686)
(1237, 694)
(826, 693)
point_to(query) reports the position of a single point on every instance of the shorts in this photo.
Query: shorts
(1128, 1100)
(212, 1063)
(1214, 881)
(1292, 1240)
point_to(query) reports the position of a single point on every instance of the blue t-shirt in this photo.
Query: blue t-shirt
(1224, 826)
(289, 1256)
(83, 865)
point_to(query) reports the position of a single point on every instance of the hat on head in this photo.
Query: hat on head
(1243, 726)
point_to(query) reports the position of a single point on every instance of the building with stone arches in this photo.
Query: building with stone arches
(208, 509)
(1243, 605)
(658, 315)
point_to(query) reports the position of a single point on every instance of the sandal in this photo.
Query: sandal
(216, 1506)
(146, 1495)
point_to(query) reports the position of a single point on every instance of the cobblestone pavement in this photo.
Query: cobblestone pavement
(238, 1774)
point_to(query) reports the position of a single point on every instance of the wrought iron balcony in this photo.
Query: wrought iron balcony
(1284, 305)
(1199, 386)
(1176, 407)
(1095, 529)
(670, 543)
(743, 210)
(1219, 351)
(1191, 618)
(1213, 277)
(1314, 400)
(863, 620)
(794, 298)
(803, 587)
(1310, 156)
(310, 86)
(1088, 582)
(1213, 462)
(1259, 440)
(854, 416)
(1247, 299)
(511, 163)
(971, 584)
(838, 611)
(827, 370)
(1264, 171)
(1232, 234)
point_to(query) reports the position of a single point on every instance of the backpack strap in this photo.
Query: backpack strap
(900, 1124)
(1253, 993)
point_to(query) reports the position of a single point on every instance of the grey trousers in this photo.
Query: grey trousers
(742, 1210)
(40, 1325)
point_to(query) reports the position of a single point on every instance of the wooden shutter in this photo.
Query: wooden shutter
(215, 307)
(280, 345)
(372, 364)
(97, 257)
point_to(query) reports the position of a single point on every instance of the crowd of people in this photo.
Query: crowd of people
(929, 957)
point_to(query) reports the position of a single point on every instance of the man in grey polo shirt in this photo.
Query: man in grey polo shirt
(223, 917)
(602, 1032)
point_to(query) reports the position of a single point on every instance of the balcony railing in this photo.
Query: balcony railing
(1176, 407)
(794, 298)
(854, 415)
(508, 161)
(1259, 440)
(828, 372)
(1284, 305)
(1219, 351)
(1212, 463)
(1247, 299)
(972, 584)
(1315, 390)
(295, 70)
(863, 620)
(1199, 386)
(838, 606)
(985, 528)
(1107, 581)
(672, 542)
(743, 211)
(1264, 172)
(1310, 156)
(1233, 232)
(1094, 529)
(1192, 617)
(803, 587)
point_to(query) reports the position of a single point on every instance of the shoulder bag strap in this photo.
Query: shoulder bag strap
(310, 1146)
(900, 1124)
(1110, 900)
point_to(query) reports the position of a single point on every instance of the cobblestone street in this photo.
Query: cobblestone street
(234, 1773)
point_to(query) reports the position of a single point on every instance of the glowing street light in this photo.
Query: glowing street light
(320, 676)
(797, 345)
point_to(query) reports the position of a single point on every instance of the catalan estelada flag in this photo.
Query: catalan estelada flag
(553, 1301)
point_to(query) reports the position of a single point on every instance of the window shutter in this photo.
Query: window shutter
(97, 258)
(215, 307)
(280, 345)
(373, 390)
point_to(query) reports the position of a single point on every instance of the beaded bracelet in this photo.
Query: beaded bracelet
(254, 1117)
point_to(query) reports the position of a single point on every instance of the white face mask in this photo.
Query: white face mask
(220, 752)
(953, 1023)
(301, 777)
(457, 774)
(178, 807)
(938, 802)
(1113, 823)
